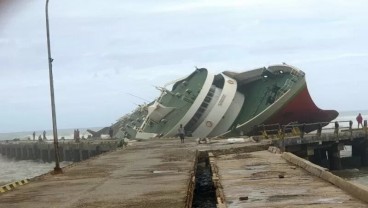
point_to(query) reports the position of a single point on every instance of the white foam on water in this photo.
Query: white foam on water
(12, 170)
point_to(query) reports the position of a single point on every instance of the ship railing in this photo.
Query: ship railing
(287, 85)
(269, 130)
(300, 129)
(294, 78)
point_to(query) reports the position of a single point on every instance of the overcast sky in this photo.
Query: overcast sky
(104, 50)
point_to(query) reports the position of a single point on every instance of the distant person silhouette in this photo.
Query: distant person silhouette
(359, 119)
(34, 135)
(181, 133)
(44, 135)
(111, 132)
(78, 134)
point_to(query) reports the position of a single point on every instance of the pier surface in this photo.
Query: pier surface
(264, 179)
(157, 173)
(151, 174)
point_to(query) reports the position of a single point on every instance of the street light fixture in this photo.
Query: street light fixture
(57, 168)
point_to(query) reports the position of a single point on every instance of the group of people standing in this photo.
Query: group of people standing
(40, 138)
(76, 135)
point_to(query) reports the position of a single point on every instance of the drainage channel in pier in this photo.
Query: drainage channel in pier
(204, 192)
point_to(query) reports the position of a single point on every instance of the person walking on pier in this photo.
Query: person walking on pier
(359, 119)
(181, 133)
(111, 132)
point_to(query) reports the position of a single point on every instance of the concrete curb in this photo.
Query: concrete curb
(13, 185)
(191, 183)
(357, 191)
(220, 197)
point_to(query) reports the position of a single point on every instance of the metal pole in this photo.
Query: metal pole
(57, 168)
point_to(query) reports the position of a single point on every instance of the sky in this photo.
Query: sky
(108, 55)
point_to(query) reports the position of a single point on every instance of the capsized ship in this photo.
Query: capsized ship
(227, 104)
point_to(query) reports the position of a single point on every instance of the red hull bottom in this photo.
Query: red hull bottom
(302, 109)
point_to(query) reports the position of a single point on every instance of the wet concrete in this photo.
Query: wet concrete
(157, 173)
(264, 179)
(152, 174)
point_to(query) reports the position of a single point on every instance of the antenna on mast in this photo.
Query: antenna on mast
(138, 97)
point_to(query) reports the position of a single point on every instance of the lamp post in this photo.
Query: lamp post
(57, 168)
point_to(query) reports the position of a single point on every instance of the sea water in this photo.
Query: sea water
(356, 175)
(13, 170)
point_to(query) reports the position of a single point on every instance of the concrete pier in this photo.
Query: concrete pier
(264, 179)
(324, 149)
(155, 174)
(162, 173)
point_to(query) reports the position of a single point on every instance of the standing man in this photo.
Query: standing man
(78, 134)
(359, 118)
(111, 132)
(34, 135)
(181, 133)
